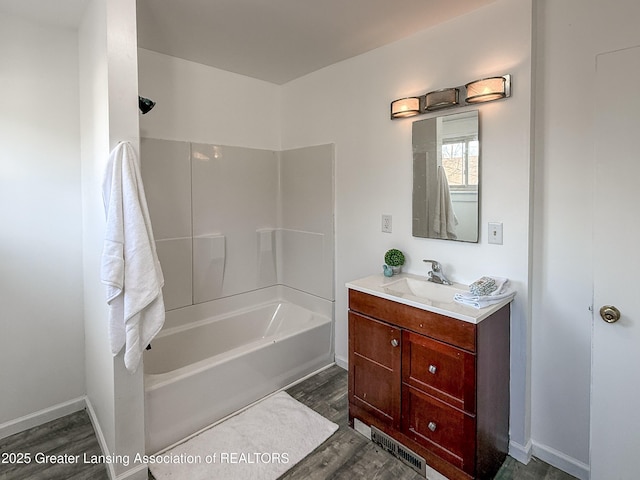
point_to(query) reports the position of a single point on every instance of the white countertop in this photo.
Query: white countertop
(379, 286)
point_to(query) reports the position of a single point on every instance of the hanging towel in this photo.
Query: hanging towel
(130, 268)
(444, 219)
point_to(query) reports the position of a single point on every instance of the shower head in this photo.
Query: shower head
(145, 104)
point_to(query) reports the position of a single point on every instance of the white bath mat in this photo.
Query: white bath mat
(260, 443)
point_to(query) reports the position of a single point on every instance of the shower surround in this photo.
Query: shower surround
(229, 220)
(245, 228)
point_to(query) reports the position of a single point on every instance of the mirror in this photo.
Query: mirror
(446, 174)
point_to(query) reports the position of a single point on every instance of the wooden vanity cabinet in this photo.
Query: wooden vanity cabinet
(438, 385)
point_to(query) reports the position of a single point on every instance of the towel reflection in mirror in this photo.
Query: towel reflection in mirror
(444, 218)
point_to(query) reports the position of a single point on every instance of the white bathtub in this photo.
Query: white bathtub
(202, 370)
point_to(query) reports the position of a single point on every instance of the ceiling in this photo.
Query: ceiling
(272, 40)
(280, 40)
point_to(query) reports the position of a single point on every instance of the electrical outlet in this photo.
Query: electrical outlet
(386, 223)
(495, 233)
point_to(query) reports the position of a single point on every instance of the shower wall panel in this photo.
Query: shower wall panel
(166, 172)
(229, 220)
(306, 234)
(234, 194)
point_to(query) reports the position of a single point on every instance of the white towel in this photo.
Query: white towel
(130, 267)
(444, 220)
(502, 284)
(503, 291)
(482, 301)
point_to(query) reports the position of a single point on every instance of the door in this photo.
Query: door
(615, 389)
(374, 368)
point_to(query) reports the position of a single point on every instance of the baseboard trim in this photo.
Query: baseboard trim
(137, 472)
(521, 453)
(141, 472)
(102, 441)
(342, 362)
(41, 417)
(562, 461)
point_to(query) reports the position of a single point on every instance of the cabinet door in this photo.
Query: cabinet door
(374, 368)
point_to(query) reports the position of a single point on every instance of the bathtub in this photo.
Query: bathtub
(200, 370)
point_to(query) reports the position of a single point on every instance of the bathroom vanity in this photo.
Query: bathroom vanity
(431, 374)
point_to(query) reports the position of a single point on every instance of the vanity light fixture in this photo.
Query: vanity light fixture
(478, 91)
(445, 98)
(405, 107)
(488, 89)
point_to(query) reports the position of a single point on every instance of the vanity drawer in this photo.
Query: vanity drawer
(439, 369)
(440, 428)
(446, 329)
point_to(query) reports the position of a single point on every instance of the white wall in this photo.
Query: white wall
(109, 114)
(198, 103)
(41, 325)
(569, 36)
(94, 120)
(348, 104)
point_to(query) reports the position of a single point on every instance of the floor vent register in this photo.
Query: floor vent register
(399, 451)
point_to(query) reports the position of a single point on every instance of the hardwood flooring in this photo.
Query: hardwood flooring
(345, 455)
(348, 455)
(72, 435)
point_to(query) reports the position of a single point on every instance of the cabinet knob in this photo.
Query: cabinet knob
(432, 426)
(432, 369)
(394, 343)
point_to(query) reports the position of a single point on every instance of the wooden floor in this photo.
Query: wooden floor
(345, 455)
(71, 435)
(349, 455)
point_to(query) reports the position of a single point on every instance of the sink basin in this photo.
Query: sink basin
(416, 291)
(424, 290)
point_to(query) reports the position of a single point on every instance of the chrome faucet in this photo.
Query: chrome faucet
(436, 275)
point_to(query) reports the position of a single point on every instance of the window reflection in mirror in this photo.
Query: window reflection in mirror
(446, 171)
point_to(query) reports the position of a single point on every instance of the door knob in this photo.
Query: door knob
(609, 313)
(394, 343)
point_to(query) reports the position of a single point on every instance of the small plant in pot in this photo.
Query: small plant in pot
(395, 259)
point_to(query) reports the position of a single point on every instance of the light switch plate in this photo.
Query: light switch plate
(386, 223)
(495, 233)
